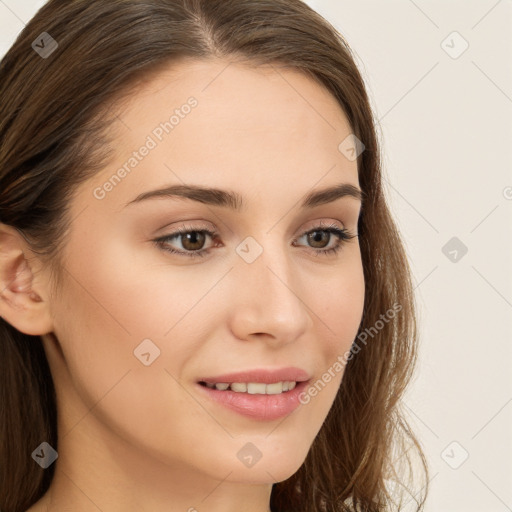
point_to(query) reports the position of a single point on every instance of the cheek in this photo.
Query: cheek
(110, 302)
(340, 304)
(339, 307)
(132, 292)
(105, 310)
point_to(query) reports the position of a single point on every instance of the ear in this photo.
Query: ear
(23, 291)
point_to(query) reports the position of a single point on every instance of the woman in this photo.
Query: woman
(205, 302)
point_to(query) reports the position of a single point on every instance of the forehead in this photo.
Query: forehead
(234, 100)
(227, 124)
(220, 80)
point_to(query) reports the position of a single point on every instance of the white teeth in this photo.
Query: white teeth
(239, 387)
(275, 389)
(255, 388)
(259, 388)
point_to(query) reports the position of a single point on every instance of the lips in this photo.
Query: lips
(262, 407)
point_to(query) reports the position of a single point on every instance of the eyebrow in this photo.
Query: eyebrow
(234, 201)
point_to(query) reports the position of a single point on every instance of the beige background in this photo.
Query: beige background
(445, 118)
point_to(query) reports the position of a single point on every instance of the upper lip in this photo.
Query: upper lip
(267, 376)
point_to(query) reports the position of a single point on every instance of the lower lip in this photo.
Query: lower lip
(258, 406)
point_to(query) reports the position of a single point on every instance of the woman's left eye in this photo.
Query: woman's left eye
(192, 240)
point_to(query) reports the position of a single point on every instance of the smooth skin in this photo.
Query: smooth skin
(144, 438)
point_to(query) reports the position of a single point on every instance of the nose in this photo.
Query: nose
(269, 300)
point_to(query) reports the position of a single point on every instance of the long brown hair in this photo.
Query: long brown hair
(54, 111)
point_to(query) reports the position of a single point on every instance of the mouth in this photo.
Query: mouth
(258, 395)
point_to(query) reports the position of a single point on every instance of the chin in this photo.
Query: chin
(268, 470)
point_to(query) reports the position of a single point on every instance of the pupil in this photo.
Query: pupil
(314, 236)
(192, 238)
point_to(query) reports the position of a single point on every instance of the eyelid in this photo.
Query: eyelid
(315, 224)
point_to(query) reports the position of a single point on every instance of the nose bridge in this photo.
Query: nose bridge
(267, 296)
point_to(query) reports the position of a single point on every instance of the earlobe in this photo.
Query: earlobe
(22, 302)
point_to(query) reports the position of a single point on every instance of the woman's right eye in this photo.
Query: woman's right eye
(188, 240)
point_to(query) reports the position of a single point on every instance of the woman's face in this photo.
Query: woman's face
(139, 326)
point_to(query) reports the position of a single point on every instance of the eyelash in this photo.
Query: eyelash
(343, 236)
